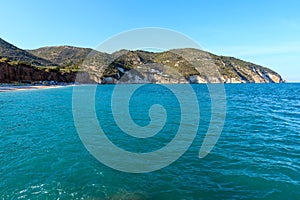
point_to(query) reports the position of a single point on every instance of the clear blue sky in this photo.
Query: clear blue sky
(265, 32)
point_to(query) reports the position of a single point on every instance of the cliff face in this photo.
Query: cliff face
(27, 74)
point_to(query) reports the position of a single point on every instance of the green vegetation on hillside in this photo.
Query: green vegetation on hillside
(186, 62)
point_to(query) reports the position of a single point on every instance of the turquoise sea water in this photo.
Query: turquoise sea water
(257, 155)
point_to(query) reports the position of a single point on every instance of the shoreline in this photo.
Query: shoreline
(10, 88)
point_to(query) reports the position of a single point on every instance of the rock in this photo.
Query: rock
(27, 74)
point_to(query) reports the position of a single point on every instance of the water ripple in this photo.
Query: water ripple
(257, 155)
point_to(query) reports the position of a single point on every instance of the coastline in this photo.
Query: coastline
(9, 88)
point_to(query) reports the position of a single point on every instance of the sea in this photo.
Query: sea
(256, 155)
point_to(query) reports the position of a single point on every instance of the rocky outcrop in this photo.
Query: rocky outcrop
(178, 66)
(27, 74)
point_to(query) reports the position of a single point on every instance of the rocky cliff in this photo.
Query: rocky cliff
(23, 73)
(177, 66)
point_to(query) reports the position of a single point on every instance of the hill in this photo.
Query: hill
(174, 66)
(65, 56)
(13, 53)
(178, 66)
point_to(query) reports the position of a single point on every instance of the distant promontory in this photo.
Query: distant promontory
(66, 64)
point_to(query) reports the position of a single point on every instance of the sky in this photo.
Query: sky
(265, 32)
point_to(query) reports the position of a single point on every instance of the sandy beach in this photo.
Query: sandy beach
(33, 87)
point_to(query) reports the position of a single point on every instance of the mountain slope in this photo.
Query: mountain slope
(62, 55)
(185, 65)
(13, 53)
(229, 69)
(179, 66)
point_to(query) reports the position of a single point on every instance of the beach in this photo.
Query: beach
(8, 88)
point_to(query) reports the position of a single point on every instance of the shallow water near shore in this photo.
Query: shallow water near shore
(256, 157)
